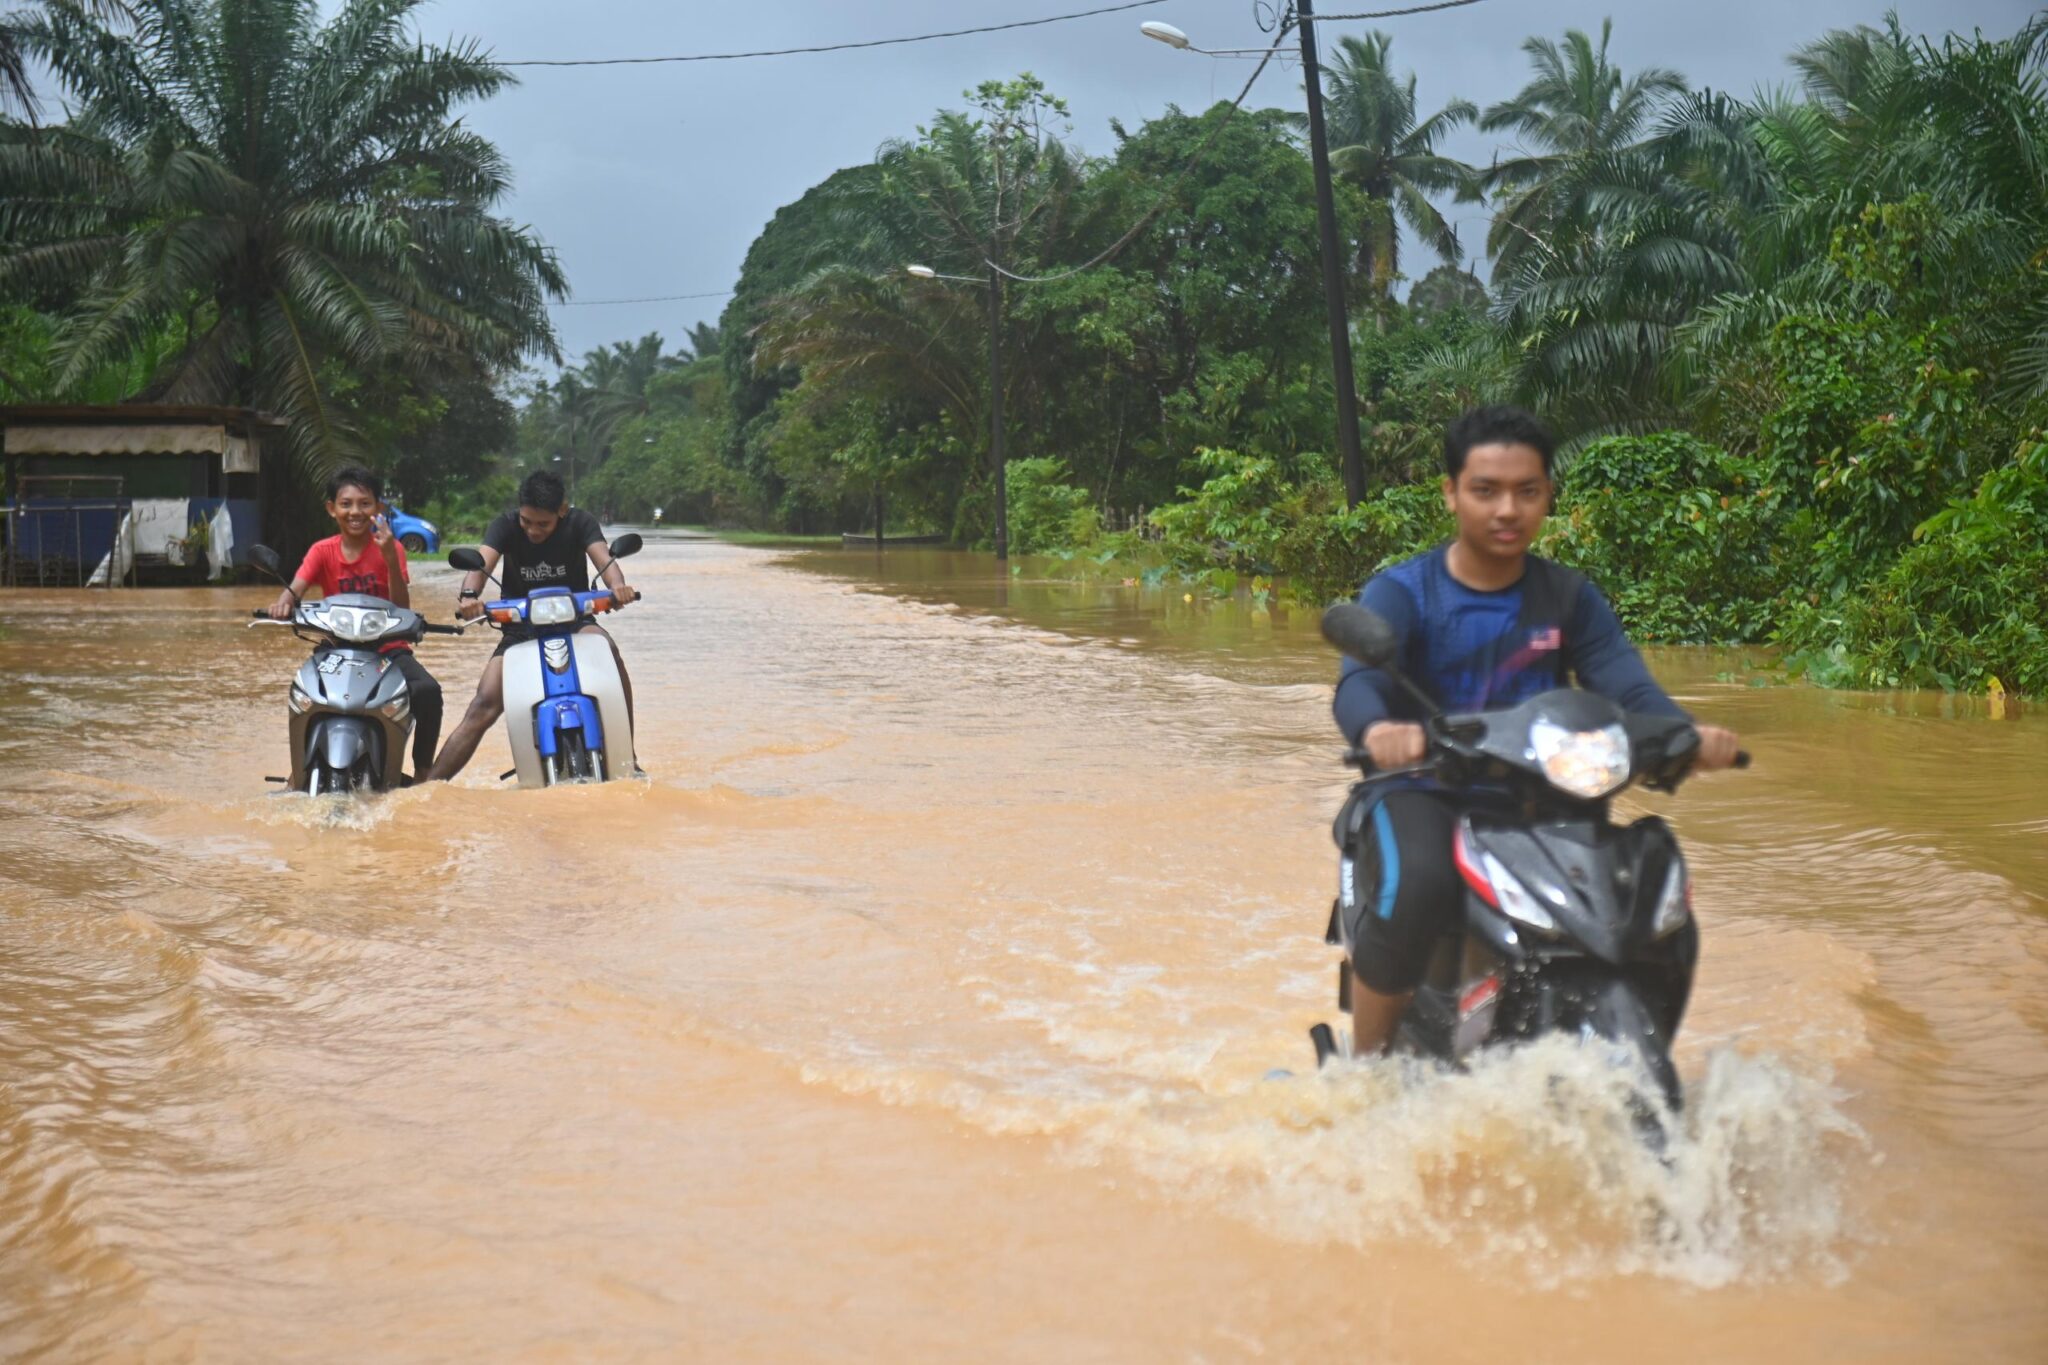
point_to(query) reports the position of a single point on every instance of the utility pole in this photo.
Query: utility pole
(1333, 266)
(995, 410)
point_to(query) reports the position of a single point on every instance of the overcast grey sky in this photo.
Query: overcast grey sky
(653, 180)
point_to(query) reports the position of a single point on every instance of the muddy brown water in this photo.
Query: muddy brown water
(921, 1008)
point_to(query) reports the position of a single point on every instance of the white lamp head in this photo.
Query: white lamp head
(1165, 33)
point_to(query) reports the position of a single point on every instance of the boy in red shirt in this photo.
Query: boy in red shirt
(366, 558)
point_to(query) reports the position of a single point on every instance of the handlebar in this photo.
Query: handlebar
(262, 614)
(1742, 758)
(432, 629)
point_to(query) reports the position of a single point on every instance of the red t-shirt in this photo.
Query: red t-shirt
(325, 568)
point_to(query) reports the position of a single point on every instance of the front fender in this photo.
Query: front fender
(338, 741)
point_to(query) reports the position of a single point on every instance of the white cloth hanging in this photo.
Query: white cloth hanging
(220, 542)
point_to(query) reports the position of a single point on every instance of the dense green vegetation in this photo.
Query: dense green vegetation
(1797, 345)
(247, 205)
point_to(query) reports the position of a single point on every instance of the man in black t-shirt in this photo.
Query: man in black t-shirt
(545, 544)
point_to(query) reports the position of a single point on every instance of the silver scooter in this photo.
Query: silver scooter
(349, 710)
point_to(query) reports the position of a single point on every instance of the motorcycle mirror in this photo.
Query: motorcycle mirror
(1361, 633)
(627, 544)
(265, 558)
(463, 557)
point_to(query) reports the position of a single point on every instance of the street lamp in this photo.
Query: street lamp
(1326, 219)
(994, 285)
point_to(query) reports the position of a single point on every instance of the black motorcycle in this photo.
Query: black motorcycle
(349, 712)
(1571, 923)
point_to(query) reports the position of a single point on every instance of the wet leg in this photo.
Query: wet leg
(484, 710)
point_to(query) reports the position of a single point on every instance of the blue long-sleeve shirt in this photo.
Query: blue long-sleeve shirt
(1480, 651)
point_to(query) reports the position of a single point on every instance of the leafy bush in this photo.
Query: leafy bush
(1689, 542)
(1966, 604)
(1331, 556)
(1234, 520)
(463, 515)
(1047, 513)
(1248, 519)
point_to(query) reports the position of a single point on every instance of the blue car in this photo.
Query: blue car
(416, 534)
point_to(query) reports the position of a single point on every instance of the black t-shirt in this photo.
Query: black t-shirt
(560, 561)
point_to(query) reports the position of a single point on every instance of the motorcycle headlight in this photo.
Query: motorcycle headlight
(297, 700)
(551, 611)
(1674, 902)
(357, 624)
(1586, 763)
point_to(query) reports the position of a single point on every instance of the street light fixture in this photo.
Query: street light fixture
(1326, 221)
(994, 285)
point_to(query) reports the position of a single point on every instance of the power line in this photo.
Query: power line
(1167, 194)
(1285, 26)
(660, 298)
(1396, 13)
(843, 47)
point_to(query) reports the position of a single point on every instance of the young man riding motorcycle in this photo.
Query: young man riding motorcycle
(545, 543)
(1482, 624)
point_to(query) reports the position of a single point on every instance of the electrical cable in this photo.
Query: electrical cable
(1396, 13)
(842, 47)
(1165, 196)
(660, 298)
(1287, 23)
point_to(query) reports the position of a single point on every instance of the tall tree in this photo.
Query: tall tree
(1377, 144)
(293, 194)
(1573, 118)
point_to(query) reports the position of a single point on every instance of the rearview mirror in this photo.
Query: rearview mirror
(463, 557)
(265, 558)
(627, 544)
(1361, 633)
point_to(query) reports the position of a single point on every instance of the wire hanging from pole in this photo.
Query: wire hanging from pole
(841, 47)
(1397, 13)
(1167, 195)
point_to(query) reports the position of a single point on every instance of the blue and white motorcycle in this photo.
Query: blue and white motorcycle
(565, 704)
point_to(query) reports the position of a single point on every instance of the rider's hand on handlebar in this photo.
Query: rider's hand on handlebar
(1717, 748)
(281, 609)
(623, 594)
(469, 609)
(1395, 743)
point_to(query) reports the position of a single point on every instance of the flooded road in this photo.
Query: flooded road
(921, 1007)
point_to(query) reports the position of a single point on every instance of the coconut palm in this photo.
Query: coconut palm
(1575, 116)
(287, 195)
(1376, 143)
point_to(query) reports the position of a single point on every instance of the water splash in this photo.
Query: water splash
(1531, 1163)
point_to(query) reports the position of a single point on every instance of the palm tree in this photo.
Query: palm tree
(585, 406)
(1376, 144)
(17, 95)
(703, 343)
(286, 196)
(1881, 119)
(1573, 119)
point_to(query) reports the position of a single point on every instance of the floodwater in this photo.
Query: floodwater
(921, 1008)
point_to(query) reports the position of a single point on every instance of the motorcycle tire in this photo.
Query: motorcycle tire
(574, 757)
